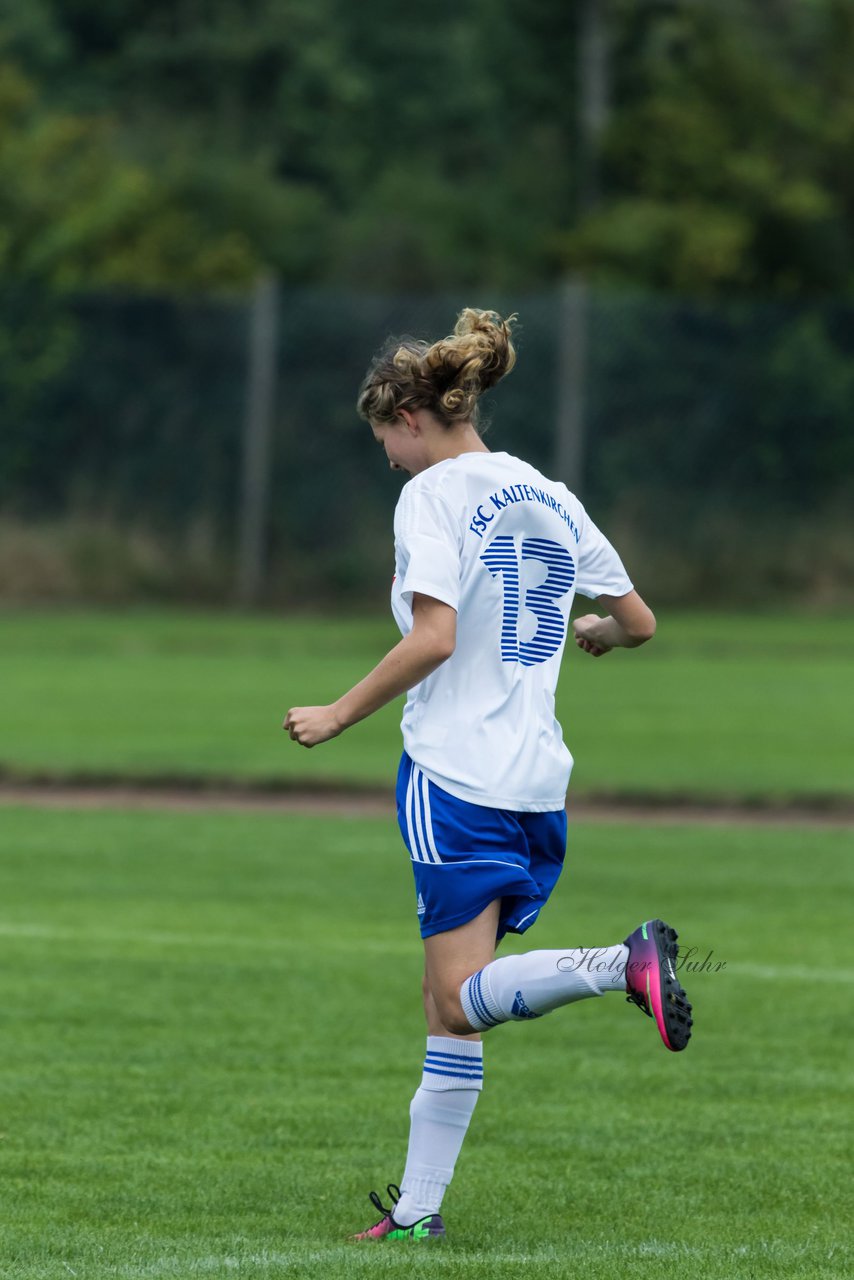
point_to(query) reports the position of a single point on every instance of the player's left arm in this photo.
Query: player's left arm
(431, 642)
(629, 622)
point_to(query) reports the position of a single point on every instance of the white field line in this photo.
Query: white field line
(790, 972)
(452, 1260)
(220, 942)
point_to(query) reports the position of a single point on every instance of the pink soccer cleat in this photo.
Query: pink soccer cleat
(652, 984)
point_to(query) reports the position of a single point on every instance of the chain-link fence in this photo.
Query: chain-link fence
(713, 442)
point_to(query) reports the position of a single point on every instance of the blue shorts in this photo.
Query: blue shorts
(464, 856)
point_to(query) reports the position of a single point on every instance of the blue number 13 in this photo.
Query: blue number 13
(500, 558)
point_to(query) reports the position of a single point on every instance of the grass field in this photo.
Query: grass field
(716, 705)
(212, 1022)
(212, 1034)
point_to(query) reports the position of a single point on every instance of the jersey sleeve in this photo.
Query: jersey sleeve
(428, 546)
(600, 570)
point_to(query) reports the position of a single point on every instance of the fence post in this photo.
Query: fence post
(572, 365)
(574, 299)
(257, 433)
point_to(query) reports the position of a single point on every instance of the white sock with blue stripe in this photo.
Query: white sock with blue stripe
(439, 1119)
(526, 986)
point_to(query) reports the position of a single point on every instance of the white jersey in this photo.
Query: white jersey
(507, 549)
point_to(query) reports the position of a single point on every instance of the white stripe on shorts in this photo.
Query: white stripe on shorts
(416, 857)
(419, 825)
(428, 818)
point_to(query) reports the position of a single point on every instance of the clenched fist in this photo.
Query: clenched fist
(591, 634)
(310, 725)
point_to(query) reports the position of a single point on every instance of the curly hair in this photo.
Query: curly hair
(447, 377)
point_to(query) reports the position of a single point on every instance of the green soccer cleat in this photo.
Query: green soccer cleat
(429, 1228)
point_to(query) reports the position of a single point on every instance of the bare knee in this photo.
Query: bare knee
(443, 1011)
(450, 958)
(450, 1010)
(442, 1016)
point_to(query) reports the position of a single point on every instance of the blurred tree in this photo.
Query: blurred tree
(75, 212)
(725, 160)
(391, 148)
(381, 148)
(137, 187)
(179, 147)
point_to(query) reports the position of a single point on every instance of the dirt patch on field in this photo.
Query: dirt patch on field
(379, 802)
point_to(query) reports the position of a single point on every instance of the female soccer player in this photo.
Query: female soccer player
(489, 554)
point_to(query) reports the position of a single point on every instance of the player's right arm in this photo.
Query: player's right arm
(430, 643)
(629, 623)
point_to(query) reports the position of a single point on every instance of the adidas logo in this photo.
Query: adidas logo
(520, 1009)
(420, 908)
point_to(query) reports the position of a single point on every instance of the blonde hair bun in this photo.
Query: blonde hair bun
(447, 377)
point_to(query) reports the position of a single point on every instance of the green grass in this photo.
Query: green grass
(716, 705)
(212, 1034)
